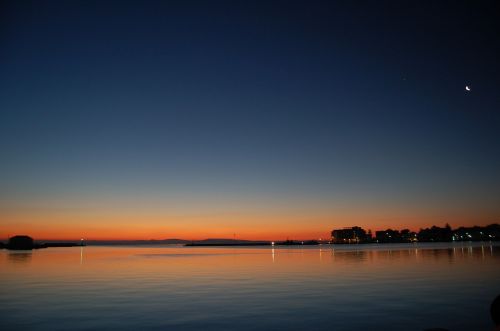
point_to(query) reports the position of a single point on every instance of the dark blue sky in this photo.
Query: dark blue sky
(304, 101)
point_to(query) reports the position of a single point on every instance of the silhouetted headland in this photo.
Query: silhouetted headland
(24, 242)
(21, 242)
(233, 242)
(296, 242)
(227, 242)
(138, 242)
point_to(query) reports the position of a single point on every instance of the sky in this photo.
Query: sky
(247, 119)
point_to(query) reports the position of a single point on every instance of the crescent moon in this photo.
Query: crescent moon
(467, 88)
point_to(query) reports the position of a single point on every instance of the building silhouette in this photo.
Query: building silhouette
(352, 235)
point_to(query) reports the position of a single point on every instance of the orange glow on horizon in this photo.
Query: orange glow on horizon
(243, 227)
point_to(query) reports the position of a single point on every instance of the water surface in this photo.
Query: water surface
(379, 287)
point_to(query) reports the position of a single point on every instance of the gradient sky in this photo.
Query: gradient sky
(264, 120)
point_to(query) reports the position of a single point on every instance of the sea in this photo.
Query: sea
(171, 287)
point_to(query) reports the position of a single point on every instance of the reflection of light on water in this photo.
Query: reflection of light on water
(320, 256)
(482, 251)
(81, 255)
(128, 278)
(272, 253)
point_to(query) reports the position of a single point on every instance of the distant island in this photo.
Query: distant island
(23, 242)
(348, 235)
(234, 242)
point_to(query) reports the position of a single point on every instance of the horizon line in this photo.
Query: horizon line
(288, 237)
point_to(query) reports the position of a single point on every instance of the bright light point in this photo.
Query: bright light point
(467, 88)
(272, 243)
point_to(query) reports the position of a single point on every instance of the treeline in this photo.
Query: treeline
(433, 234)
(446, 233)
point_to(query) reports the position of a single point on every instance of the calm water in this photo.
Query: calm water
(397, 287)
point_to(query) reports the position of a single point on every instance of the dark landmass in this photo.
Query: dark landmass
(232, 242)
(23, 242)
(59, 244)
(358, 235)
(226, 242)
(296, 242)
(138, 242)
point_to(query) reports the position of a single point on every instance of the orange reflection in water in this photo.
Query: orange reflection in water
(165, 287)
(181, 263)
